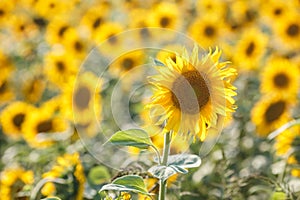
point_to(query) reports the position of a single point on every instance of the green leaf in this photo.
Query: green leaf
(132, 137)
(176, 164)
(158, 62)
(162, 172)
(98, 175)
(130, 183)
(184, 160)
(51, 198)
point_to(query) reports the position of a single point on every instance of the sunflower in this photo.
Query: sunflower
(67, 166)
(33, 89)
(294, 161)
(127, 62)
(52, 8)
(82, 99)
(192, 93)
(165, 15)
(42, 126)
(250, 49)
(60, 68)
(13, 116)
(76, 45)
(140, 18)
(6, 91)
(269, 113)
(22, 27)
(287, 140)
(58, 30)
(168, 51)
(281, 76)
(93, 19)
(106, 38)
(6, 66)
(275, 10)
(288, 30)
(206, 30)
(216, 8)
(244, 13)
(6, 8)
(13, 181)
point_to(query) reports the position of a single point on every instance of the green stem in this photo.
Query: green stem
(166, 151)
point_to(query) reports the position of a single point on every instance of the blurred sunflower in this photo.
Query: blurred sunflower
(250, 49)
(60, 68)
(33, 88)
(105, 36)
(244, 13)
(13, 116)
(76, 45)
(217, 8)
(42, 126)
(206, 30)
(294, 162)
(6, 66)
(23, 27)
(66, 167)
(127, 62)
(82, 99)
(94, 17)
(287, 141)
(6, 8)
(140, 18)
(269, 113)
(13, 182)
(193, 93)
(58, 30)
(281, 76)
(275, 10)
(165, 15)
(52, 8)
(288, 30)
(168, 51)
(6, 91)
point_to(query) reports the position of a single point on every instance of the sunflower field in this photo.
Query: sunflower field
(146, 100)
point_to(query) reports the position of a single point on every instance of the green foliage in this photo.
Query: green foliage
(133, 137)
(129, 183)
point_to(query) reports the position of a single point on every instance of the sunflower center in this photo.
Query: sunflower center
(82, 97)
(277, 11)
(97, 22)
(281, 80)
(44, 126)
(164, 21)
(3, 87)
(60, 66)
(22, 27)
(293, 30)
(62, 30)
(190, 92)
(1, 12)
(128, 63)
(52, 5)
(209, 31)
(112, 39)
(274, 111)
(144, 32)
(250, 48)
(40, 21)
(18, 120)
(78, 46)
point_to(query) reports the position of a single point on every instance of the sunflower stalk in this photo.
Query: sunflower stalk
(166, 151)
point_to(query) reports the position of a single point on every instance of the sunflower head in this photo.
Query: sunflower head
(194, 93)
